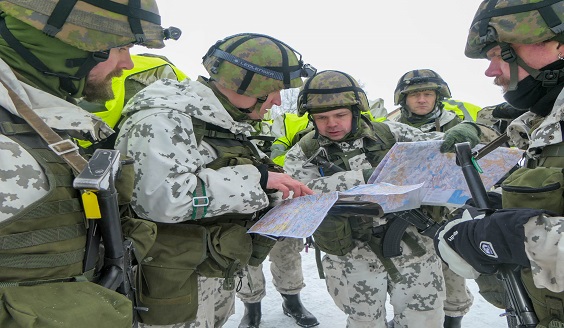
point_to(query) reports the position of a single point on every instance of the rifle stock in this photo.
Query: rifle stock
(520, 306)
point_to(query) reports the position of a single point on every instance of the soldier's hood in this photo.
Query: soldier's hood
(190, 97)
(57, 113)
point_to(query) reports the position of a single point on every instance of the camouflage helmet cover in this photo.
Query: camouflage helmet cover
(513, 21)
(418, 80)
(254, 64)
(92, 25)
(328, 90)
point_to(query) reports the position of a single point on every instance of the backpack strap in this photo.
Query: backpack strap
(65, 148)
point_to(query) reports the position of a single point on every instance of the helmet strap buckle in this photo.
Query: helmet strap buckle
(508, 54)
(550, 78)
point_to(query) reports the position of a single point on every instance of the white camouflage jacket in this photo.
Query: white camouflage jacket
(158, 135)
(445, 118)
(22, 180)
(544, 241)
(342, 181)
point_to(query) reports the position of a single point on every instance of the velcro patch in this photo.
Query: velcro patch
(488, 249)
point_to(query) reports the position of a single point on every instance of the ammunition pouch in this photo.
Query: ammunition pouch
(334, 235)
(549, 306)
(166, 280)
(541, 187)
(229, 248)
(492, 290)
(142, 233)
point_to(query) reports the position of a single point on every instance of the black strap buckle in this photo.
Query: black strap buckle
(549, 78)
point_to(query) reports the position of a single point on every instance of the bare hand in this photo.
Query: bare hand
(285, 183)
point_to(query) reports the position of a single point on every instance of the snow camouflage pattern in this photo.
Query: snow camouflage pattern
(418, 300)
(445, 118)
(261, 51)
(158, 134)
(327, 80)
(545, 236)
(525, 134)
(459, 299)
(286, 270)
(23, 181)
(524, 27)
(88, 27)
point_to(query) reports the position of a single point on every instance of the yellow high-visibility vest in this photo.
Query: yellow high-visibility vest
(142, 63)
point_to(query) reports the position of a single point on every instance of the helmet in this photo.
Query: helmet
(255, 65)
(513, 21)
(94, 25)
(418, 80)
(329, 90)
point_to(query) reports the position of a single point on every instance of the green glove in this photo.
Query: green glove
(465, 131)
(367, 173)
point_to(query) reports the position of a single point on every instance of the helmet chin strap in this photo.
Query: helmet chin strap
(254, 108)
(549, 78)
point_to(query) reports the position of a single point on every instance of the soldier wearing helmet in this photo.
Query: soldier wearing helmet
(357, 277)
(52, 52)
(201, 179)
(420, 94)
(522, 40)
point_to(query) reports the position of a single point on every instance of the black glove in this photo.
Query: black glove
(479, 241)
(506, 111)
(462, 132)
(494, 200)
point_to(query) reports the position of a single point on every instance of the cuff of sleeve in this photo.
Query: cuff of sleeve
(263, 169)
(476, 126)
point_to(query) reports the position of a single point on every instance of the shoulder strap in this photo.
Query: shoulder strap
(62, 147)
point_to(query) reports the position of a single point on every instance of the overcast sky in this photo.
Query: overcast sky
(375, 42)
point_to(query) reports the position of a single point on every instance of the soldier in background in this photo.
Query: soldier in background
(420, 94)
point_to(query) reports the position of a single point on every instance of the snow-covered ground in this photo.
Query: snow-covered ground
(318, 301)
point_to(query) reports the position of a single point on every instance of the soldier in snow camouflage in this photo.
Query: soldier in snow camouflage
(51, 54)
(357, 276)
(420, 94)
(196, 170)
(523, 40)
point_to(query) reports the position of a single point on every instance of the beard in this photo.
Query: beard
(100, 90)
(502, 82)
